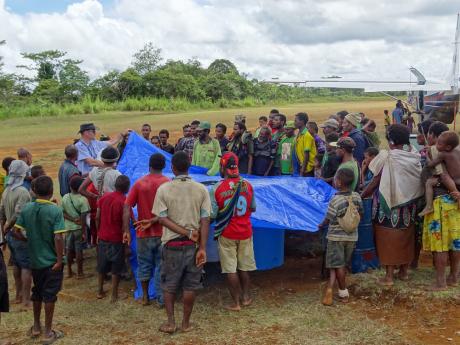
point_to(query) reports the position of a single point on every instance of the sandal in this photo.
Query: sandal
(34, 334)
(56, 335)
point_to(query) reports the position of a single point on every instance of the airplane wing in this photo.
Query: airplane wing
(418, 84)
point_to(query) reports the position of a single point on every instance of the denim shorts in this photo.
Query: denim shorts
(148, 256)
(179, 270)
(19, 252)
(74, 241)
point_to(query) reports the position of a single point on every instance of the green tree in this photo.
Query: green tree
(46, 63)
(147, 59)
(222, 66)
(73, 80)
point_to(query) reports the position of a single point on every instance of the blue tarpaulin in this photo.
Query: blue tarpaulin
(283, 203)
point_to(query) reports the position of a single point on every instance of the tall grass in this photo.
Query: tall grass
(94, 106)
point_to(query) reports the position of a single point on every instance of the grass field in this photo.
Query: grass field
(286, 308)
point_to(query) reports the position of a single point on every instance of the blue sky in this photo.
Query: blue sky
(43, 6)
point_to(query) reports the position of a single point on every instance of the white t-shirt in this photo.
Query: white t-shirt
(110, 177)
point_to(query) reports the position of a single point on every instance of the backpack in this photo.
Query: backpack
(350, 220)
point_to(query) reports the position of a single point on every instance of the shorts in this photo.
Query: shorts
(47, 284)
(178, 269)
(110, 257)
(4, 297)
(338, 253)
(74, 241)
(148, 256)
(19, 252)
(236, 255)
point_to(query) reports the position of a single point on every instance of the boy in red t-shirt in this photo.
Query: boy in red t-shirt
(110, 247)
(148, 229)
(232, 203)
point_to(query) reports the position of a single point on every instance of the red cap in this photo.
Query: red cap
(229, 161)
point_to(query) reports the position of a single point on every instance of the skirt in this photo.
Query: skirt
(441, 229)
(365, 256)
(395, 246)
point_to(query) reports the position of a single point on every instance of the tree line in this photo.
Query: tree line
(54, 78)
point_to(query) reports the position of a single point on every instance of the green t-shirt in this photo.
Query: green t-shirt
(74, 205)
(353, 165)
(207, 156)
(285, 150)
(41, 220)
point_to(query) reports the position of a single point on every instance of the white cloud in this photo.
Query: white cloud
(287, 38)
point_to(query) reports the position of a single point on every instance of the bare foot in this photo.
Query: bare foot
(120, 297)
(101, 295)
(169, 328)
(26, 306)
(34, 333)
(436, 287)
(403, 277)
(83, 276)
(188, 328)
(247, 302)
(233, 307)
(385, 282)
(451, 281)
(146, 302)
(426, 211)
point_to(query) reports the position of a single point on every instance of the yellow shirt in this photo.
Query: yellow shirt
(304, 142)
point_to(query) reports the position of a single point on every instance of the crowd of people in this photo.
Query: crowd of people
(384, 187)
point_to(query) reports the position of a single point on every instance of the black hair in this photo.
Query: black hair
(240, 125)
(6, 162)
(164, 131)
(385, 111)
(332, 137)
(146, 125)
(42, 186)
(372, 151)
(346, 176)
(185, 126)
(365, 120)
(157, 161)
(274, 111)
(195, 123)
(263, 118)
(342, 114)
(181, 161)
(302, 117)
(424, 126)
(282, 118)
(222, 126)
(71, 151)
(314, 126)
(36, 171)
(155, 137)
(437, 128)
(398, 134)
(450, 138)
(122, 184)
(76, 182)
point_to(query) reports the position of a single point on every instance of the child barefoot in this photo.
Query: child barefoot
(110, 248)
(340, 243)
(75, 207)
(43, 223)
(438, 162)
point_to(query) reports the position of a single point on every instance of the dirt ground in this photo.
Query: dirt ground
(286, 308)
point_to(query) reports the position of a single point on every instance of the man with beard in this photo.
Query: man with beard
(242, 146)
(206, 150)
